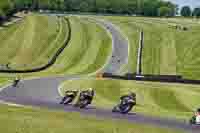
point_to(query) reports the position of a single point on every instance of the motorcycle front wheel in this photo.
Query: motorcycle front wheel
(68, 101)
(127, 109)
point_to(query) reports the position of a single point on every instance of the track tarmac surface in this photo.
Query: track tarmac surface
(120, 51)
(43, 93)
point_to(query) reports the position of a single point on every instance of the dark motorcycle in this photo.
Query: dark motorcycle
(69, 97)
(84, 100)
(193, 120)
(125, 106)
(15, 83)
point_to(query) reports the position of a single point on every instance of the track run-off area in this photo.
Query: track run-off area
(45, 92)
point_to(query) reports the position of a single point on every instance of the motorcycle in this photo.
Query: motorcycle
(84, 100)
(15, 83)
(69, 97)
(193, 120)
(124, 107)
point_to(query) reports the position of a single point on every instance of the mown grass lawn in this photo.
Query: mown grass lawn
(166, 50)
(34, 120)
(88, 50)
(23, 44)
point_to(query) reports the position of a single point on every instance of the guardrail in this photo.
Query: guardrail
(51, 61)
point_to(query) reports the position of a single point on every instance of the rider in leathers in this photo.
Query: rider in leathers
(88, 94)
(131, 96)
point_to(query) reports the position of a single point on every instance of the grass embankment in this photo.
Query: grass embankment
(159, 53)
(31, 43)
(157, 99)
(27, 120)
(23, 44)
(88, 50)
(166, 50)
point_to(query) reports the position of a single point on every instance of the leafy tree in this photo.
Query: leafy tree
(164, 11)
(186, 11)
(150, 8)
(196, 12)
(141, 7)
(43, 4)
(84, 6)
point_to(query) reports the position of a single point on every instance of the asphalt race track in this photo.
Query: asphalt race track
(43, 93)
(119, 56)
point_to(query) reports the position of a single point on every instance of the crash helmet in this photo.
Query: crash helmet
(75, 90)
(90, 89)
(132, 94)
(17, 78)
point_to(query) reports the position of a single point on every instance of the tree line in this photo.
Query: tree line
(139, 7)
(187, 11)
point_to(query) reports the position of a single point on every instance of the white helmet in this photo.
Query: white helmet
(75, 90)
(90, 89)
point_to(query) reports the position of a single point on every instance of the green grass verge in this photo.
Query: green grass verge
(157, 99)
(23, 44)
(29, 120)
(166, 50)
(87, 51)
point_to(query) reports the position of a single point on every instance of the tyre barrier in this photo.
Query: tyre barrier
(152, 78)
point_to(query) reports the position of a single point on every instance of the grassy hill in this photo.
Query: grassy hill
(88, 50)
(31, 42)
(28, 120)
(166, 50)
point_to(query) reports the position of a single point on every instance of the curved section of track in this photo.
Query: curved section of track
(120, 49)
(43, 93)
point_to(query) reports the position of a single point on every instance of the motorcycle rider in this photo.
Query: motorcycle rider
(126, 103)
(16, 81)
(125, 98)
(196, 118)
(87, 95)
(69, 94)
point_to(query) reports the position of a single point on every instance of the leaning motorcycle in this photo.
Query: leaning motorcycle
(125, 106)
(193, 120)
(69, 97)
(15, 83)
(84, 100)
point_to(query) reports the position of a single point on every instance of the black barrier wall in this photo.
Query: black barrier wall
(153, 78)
